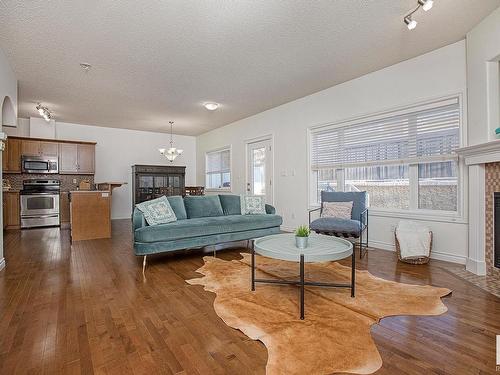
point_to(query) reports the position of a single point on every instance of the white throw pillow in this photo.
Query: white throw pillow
(252, 205)
(339, 210)
(157, 211)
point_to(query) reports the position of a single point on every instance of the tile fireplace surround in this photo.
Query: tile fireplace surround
(483, 162)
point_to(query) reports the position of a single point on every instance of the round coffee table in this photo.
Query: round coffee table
(321, 248)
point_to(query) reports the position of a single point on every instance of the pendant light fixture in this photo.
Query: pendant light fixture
(171, 153)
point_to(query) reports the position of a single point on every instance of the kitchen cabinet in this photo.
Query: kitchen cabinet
(76, 158)
(40, 148)
(11, 161)
(49, 149)
(11, 210)
(86, 155)
(31, 148)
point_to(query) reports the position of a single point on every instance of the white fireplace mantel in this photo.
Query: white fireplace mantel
(482, 153)
(475, 157)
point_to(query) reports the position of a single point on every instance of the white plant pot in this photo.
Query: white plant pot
(301, 242)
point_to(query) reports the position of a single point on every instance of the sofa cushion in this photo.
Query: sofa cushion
(333, 224)
(252, 204)
(157, 211)
(177, 204)
(203, 206)
(231, 204)
(206, 226)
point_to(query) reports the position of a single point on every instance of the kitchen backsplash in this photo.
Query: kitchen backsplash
(16, 179)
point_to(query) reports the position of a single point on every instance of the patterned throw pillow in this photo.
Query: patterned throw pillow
(252, 205)
(157, 211)
(339, 210)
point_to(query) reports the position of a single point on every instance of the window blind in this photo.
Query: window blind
(218, 161)
(418, 134)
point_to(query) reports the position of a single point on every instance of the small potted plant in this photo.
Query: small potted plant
(302, 236)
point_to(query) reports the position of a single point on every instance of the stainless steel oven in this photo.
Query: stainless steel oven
(39, 164)
(39, 203)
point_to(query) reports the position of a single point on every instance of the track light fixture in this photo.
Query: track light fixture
(410, 23)
(425, 5)
(44, 112)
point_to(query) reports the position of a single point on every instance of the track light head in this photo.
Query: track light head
(426, 4)
(410, 23)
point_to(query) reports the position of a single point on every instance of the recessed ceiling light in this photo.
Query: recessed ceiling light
(426, 4)
(211, 106)
(411, 24)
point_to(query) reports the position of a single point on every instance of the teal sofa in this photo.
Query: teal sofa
(202, 221)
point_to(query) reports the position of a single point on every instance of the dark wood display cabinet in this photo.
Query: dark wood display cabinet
(153, 181)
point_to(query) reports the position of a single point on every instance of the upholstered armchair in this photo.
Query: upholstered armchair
(354, 229)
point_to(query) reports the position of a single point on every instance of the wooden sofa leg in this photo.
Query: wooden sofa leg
(144, 264)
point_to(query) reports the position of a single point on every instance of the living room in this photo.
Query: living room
(369, 130)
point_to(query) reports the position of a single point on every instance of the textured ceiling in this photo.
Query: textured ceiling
(159, 60)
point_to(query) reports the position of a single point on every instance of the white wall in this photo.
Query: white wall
(8, 88)
(118, 149)
(483, 53)
(438, 73)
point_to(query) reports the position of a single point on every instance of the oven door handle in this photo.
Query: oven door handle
(39, 216)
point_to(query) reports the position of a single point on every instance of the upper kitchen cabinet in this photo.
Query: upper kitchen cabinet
(40, 148)
(31, 148)
(86, 159)
(11, 161)
(49, 149)
(76, 158)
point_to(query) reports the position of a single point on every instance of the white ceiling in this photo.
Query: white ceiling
(159, 60)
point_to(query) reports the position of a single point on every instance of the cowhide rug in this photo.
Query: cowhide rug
(335, 335)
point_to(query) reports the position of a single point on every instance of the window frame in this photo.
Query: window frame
(219, 150)
(458, 216)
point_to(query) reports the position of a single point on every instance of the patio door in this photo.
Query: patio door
(260, 169)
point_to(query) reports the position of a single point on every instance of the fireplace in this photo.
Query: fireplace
(496, 229)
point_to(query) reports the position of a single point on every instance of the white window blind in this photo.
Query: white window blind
(218, 169)
(218, 161)
(419, 134)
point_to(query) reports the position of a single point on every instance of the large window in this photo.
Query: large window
(404, 159)
(218, 169)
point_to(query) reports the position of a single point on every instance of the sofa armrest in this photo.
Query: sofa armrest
(270, 209)
(138, 220)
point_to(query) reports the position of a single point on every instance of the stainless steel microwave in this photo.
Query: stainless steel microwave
(39, 164)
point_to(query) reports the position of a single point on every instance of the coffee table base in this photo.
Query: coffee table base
(302, 283)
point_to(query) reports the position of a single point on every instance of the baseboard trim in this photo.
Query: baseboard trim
(452, 258)
(2, 264)
(476, 267)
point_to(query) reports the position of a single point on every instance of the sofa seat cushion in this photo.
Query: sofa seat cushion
(205, 226)
(336, 225)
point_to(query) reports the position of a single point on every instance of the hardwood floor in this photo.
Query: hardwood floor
(86, 309)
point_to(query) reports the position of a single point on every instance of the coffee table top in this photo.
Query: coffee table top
(321, 248)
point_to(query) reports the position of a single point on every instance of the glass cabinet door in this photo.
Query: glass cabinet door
(144, 190)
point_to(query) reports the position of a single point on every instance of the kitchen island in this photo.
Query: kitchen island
(90, 214)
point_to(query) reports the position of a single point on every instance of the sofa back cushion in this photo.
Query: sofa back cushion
(203, 206)
(359, 200)
(231, 204)
(177, 204)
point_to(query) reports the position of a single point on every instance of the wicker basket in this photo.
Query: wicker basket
(416, 260)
